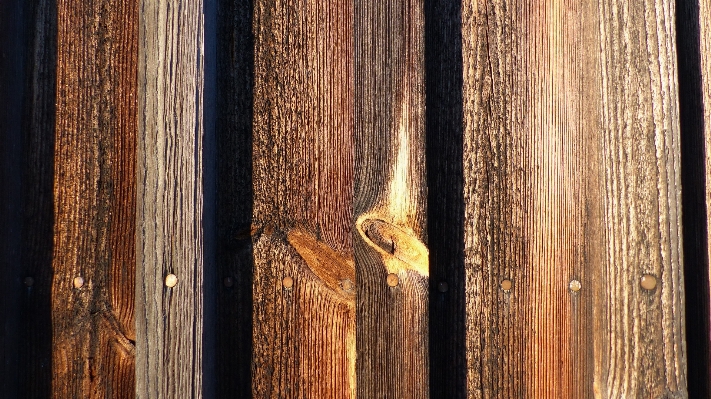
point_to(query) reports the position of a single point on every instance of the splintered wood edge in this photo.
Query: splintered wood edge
(333, 269)
(400, 249)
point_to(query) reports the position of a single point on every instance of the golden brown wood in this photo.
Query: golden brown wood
(391, 258)
(304, 310)
(169, 235)
(571, 172)
(94, 200)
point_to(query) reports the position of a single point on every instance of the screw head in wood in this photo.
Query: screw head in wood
(392, 280)
(29, 281)
(228, 282)
(442, 286)
(287, 282)
(506, 284)
(648, 282)
(171, 280)
(575, 285)
(347, 285)
(78, 282)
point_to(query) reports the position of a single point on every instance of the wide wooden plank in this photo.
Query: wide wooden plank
(304, 276)
(390, 201)
(94, 200)
(694, 57)
(571, 175)
(170, 273)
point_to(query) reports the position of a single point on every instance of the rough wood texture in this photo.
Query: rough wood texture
(304, 326)
(694, 55)
(571, 172)
(235, 85)
(169, 238)
(390, 201)
(94, 207)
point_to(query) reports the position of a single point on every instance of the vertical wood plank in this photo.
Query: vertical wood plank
(692, 20)
(571, 175)
(235, 85)
(169, 240)
(390, 201)
(304, 276)
(94, 207)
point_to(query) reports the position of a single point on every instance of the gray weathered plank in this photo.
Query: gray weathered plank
(169, 238)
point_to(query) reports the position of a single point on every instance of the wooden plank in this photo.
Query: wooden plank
(94, 200)
(571, 176)
(169, 325)
(692, 20)
(234, 257)
(304, 276)
(390, 201)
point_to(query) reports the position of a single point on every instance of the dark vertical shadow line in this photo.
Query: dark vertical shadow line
(445, 202)
(37, 199)
(693, 180)
(12, 51)
(209, 165)
(234, 197)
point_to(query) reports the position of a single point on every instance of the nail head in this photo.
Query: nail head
(228, 282)
(392, 280)
(575, 285)
(78, 282)
(648, 282)
(506, 284)
(171, 280)
(287, 282)
(29, 281)
(442, 286)
(347, 285)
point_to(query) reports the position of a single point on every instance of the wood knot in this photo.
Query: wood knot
(392, 241)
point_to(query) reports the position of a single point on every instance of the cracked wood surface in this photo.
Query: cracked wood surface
(304, 302)
(169, 236)
(94, 200)
(571, 172)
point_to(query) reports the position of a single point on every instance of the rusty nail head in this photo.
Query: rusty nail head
(506, 284)
(171, 280)
(78, 282)
(228, 282)
(29, 281)
(648, 282)
(392, 280)
(575, 285)
(443, 286)
(287, 282)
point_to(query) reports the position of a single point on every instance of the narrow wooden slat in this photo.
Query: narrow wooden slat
(390, 201)
(694, 56)
(304, 276)
(235, 85)
(571, 175)
(94, 200)
(169, 330)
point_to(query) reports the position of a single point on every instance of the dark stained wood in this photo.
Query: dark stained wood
(571, 173)
(304, 276)
(390, 201)
(234, 259)
(694, 57)
(94, 200)
(169, 329)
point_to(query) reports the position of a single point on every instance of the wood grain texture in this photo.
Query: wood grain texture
(304, 334)
(390, 201)
(234, 259)
(169, 238)
(692, 33)
(94, 207)
(571, 172)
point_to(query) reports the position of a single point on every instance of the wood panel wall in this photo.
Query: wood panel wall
(380, 199)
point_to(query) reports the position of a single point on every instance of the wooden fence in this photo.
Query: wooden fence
(341, 199)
